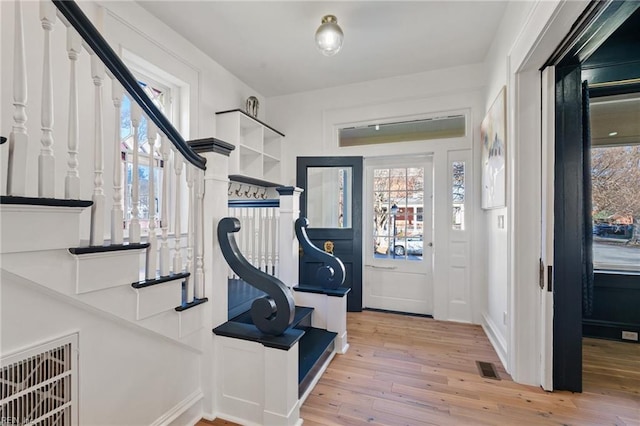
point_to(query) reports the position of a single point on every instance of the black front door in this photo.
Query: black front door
(332, 201)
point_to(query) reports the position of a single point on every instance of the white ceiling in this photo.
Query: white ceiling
(270, 44)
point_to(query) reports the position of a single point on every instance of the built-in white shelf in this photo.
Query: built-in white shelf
(258, 150)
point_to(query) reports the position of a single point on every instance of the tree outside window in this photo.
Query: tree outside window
(615, 179)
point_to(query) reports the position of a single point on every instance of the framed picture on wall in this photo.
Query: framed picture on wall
(493, 135)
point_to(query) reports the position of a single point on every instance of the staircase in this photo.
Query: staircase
(315, 345)
(40, 243)
(289, 351)
(138, 288)
(88, 255)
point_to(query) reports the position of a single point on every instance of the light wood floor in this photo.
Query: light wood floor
(403, 370)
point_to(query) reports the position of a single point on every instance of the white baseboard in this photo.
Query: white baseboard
(179, 409)
(496, 339)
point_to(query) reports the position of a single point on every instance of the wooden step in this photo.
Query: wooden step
(159, 294)
(301, 319)
(36, 224)
(315, 349)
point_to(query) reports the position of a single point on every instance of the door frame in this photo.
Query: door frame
(593, 28)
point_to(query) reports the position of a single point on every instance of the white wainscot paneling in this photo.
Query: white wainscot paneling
(459, 285)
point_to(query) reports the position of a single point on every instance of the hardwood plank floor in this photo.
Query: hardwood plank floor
(403, 370)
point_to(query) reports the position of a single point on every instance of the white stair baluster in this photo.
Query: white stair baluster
(199, 236)
(72, 180)
(255, 229)
(251, 234)
(117, 212)
(18, 139)
(263, 234)
(244, 230)
(165, 265)
(97, 209)
(152, 251)
(177, 254)
(46, 160)
(276, 248)
(272, 240)
(134, 225)
(190, 226)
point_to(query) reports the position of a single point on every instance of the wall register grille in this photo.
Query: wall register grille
(39, 386)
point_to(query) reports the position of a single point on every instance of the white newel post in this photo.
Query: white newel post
(46, 160)
(214, 268)
(289, 213)
(97, 209)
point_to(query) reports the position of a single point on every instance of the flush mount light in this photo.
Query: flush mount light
(329, 36)
(613, 134)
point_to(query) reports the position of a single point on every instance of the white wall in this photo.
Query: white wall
(529, 34)
(309, 121)
(496, 254)
(127, 375)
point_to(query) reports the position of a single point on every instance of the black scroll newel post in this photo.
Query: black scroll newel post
(331, 274)
(273, 313)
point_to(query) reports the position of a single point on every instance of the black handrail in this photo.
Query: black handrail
(114, 64)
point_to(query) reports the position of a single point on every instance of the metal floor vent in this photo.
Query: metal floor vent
(39, 386)
(487, 370)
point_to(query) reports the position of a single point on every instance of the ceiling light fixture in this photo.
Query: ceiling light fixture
(329, 36)
(613, 134)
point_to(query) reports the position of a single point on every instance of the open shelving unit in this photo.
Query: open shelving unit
(258, 150)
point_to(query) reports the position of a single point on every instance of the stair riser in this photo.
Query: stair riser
(177, 325)
(158, 298)
(100, 271)
(54, 269)
(35, 228)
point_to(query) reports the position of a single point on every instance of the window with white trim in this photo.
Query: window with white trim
(161, 96)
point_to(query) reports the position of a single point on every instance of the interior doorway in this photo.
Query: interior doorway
(600, 55)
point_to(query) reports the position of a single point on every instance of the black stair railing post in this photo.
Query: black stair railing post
(273, 313)
(332, 274)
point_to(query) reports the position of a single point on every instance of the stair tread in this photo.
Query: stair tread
(301, 313)
(190, 305)
(37, 201)
(313, 345)
(159, 280)
(109, 248)
(250, 332)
